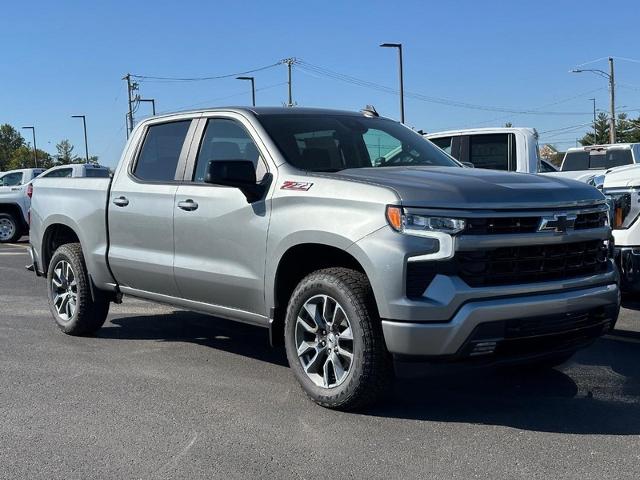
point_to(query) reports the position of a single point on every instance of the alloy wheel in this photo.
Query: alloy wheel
(324, 341)
(64, 290)
(7, 229)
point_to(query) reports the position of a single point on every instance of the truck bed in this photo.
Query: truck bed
(80, 204)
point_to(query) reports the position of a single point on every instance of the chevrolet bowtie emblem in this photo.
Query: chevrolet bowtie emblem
(557, 223)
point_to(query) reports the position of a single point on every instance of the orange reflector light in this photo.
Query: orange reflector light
(394, 217)
(617, 218)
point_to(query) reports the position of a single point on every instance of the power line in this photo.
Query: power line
(417, 96)
(199, 79)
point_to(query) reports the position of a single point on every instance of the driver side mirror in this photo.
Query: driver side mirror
(240, 174)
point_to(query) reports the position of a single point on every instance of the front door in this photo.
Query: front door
(220, 238)
(141, 210)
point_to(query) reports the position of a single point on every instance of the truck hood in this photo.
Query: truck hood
(620, 177)
(471, 188)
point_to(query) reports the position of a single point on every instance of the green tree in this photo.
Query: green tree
(22, 157)
(602, 131)
(10, 141)
(65, 152)
(627, 130)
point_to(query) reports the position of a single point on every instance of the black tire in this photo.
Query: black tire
(370, 372)
(88, 314)
(7, 220)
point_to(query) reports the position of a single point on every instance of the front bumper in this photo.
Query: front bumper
(488, 327)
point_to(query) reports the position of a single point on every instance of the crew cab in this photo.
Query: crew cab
(583, 163)
(285, 219)
(76, 170)
(14, 202)
(512, 149)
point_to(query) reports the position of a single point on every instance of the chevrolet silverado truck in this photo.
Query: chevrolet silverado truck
(284, 218)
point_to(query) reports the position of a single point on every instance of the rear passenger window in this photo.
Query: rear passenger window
(63, 172)
(226, 139)
(160, 153)
(490, 151)
(444, 143)
(11, 179)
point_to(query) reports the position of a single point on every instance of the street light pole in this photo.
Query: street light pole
(86, 144)
(595, 130)
(253, 88)
(35, 148)
(612, 87)
(399, 47)
(153, 103)
(612, 129)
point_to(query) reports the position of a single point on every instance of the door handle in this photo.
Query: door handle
(121, 201)
(188, 205)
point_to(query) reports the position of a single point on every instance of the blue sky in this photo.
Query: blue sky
(68, 57)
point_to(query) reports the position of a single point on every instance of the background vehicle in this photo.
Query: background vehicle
(621, 185)
(14, 203)
(77, 170)
(509, 149)
(279, 217)
(582, 163)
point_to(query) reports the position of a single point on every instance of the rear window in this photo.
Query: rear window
(97, 172)
(596, 159)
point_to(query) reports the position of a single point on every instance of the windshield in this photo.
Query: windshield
(329, 143)
(596, 159)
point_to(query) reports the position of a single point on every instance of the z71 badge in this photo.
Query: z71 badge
(291, 185)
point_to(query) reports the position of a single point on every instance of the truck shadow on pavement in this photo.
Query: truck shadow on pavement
(598, 392)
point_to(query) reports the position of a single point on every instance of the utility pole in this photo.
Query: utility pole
(595, 130)
(612, 128)
(86, 144)
(399, 47)
(289, 62)
(131, 86)
(35, 149)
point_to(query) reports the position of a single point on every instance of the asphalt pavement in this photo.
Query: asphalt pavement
(164, 393)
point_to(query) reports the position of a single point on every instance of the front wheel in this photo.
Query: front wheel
(74, 309)
(334, 340)
(10, 230)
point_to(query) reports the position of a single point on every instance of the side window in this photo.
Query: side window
(490, 151)
(160, 152)
(63, 172)
(444, 143)
(11, 179)
(381, 146)
(226, 139)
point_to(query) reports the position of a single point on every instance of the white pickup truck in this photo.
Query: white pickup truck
(15, 198)
(505, 148)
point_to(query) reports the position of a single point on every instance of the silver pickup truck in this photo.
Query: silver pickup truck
(288, 219)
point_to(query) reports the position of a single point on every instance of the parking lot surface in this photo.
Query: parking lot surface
(164, 393)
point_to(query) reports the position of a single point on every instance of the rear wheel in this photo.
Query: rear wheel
(334, 340)
(74, 309)
(10, 230)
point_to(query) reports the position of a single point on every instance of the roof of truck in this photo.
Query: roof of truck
(266, 111)
(468, 131)
(622, 146)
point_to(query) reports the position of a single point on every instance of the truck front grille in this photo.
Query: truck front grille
(512, 265)
(537, 263)
(505, 225)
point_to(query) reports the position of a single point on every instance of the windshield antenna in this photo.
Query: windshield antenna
(369, 111)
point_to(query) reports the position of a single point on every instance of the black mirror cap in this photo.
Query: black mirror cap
(233, 173)
(240, 174)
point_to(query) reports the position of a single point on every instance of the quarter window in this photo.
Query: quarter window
(160, 152)
(226, 139)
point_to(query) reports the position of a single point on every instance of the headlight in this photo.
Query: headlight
(422, 225)
(625, 207)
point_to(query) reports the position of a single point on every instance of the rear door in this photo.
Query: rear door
(141, 208)
(220, 238)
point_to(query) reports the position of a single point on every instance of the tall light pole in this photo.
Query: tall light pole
(612, 87)
(399, 47)
(35, 149)
(595, 130)
(253, 88)
(86, 144)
